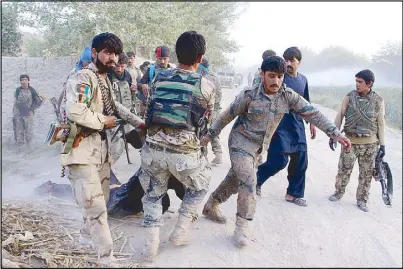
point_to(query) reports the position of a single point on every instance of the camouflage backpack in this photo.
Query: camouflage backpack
(176, 100)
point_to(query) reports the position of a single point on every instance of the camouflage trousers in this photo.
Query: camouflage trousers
(240, 179)
(365, 154)
(23, 130)
(90, 185)
(157, 165)
(117, 144)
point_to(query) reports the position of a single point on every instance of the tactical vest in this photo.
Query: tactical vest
(361, 114)
(176, 100)
(122, 91)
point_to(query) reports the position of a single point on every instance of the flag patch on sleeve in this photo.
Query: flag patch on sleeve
(83, 91)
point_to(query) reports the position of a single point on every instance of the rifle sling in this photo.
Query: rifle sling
(70, 139)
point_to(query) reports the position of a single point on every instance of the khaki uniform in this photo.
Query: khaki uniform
(258, 117)
(89, 162)
(365, 129)
(23, 118)
(136, 75)
(169, 151)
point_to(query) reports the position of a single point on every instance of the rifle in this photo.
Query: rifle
(57, 111)
(122, 129)
(383, 174)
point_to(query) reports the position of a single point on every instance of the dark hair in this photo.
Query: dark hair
(366, 75)
(274, 64)
(131, 54)
(291, 53)
(268, 53)
(123, 58)
(24, 76)
(146, 63)
(107, 41)
(190, 46)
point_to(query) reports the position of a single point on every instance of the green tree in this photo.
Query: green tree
(10, 35)
(69, 26)
(388, 60)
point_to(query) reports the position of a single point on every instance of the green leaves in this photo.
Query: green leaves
(67, 27)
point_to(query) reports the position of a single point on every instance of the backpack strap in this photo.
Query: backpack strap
(152, 71)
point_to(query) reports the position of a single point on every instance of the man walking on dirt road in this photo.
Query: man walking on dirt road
(258, 111)
(289, 140)
(364, 113)
(26, 101)
(180, 106)
(91, 109)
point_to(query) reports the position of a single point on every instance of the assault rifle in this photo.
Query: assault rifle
(383, 174)
(122, 129)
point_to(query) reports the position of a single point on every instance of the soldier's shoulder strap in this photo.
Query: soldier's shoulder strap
(152, 71)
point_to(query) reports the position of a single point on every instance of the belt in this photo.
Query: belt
(160, 148)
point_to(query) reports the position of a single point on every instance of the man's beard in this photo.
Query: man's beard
(103, 68)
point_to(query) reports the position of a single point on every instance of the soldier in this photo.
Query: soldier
(144, 66)
(250, 79)
(162, 58)
(26, 102)
(289, 140)
(259, 110)
(172, 141)
(204, 70)
(364, 113)
(91, 106)
(266, 53)
(121, 83)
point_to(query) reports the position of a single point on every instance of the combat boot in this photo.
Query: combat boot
(241, 232)
(335, 197)
(152, 243)
(362, 205)
(217, 159)
(212, 211)
(180, 236)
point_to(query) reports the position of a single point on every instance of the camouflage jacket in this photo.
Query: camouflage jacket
(259, 115)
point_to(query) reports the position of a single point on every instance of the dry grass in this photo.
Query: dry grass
(35, 236)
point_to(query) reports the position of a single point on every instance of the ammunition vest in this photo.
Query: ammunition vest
(361, 114)
(176, 100)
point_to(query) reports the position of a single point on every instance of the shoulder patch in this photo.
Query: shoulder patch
(83, 91)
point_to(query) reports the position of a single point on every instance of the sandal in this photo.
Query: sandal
(298, 201)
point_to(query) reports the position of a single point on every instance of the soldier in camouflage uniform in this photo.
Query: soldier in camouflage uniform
(364, 113)
(180, 97)
(136, 75)
(25, 102)
(91, 106)
(259, 110)
(203, 69)
(266, 54)
(121, 84)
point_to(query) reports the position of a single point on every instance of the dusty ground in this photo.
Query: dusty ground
(285, 235)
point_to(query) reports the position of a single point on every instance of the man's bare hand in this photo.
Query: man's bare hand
(313, 131)
(344, 141)
(205, 140)
(133, 88)
(144, 88)
(110, 122)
